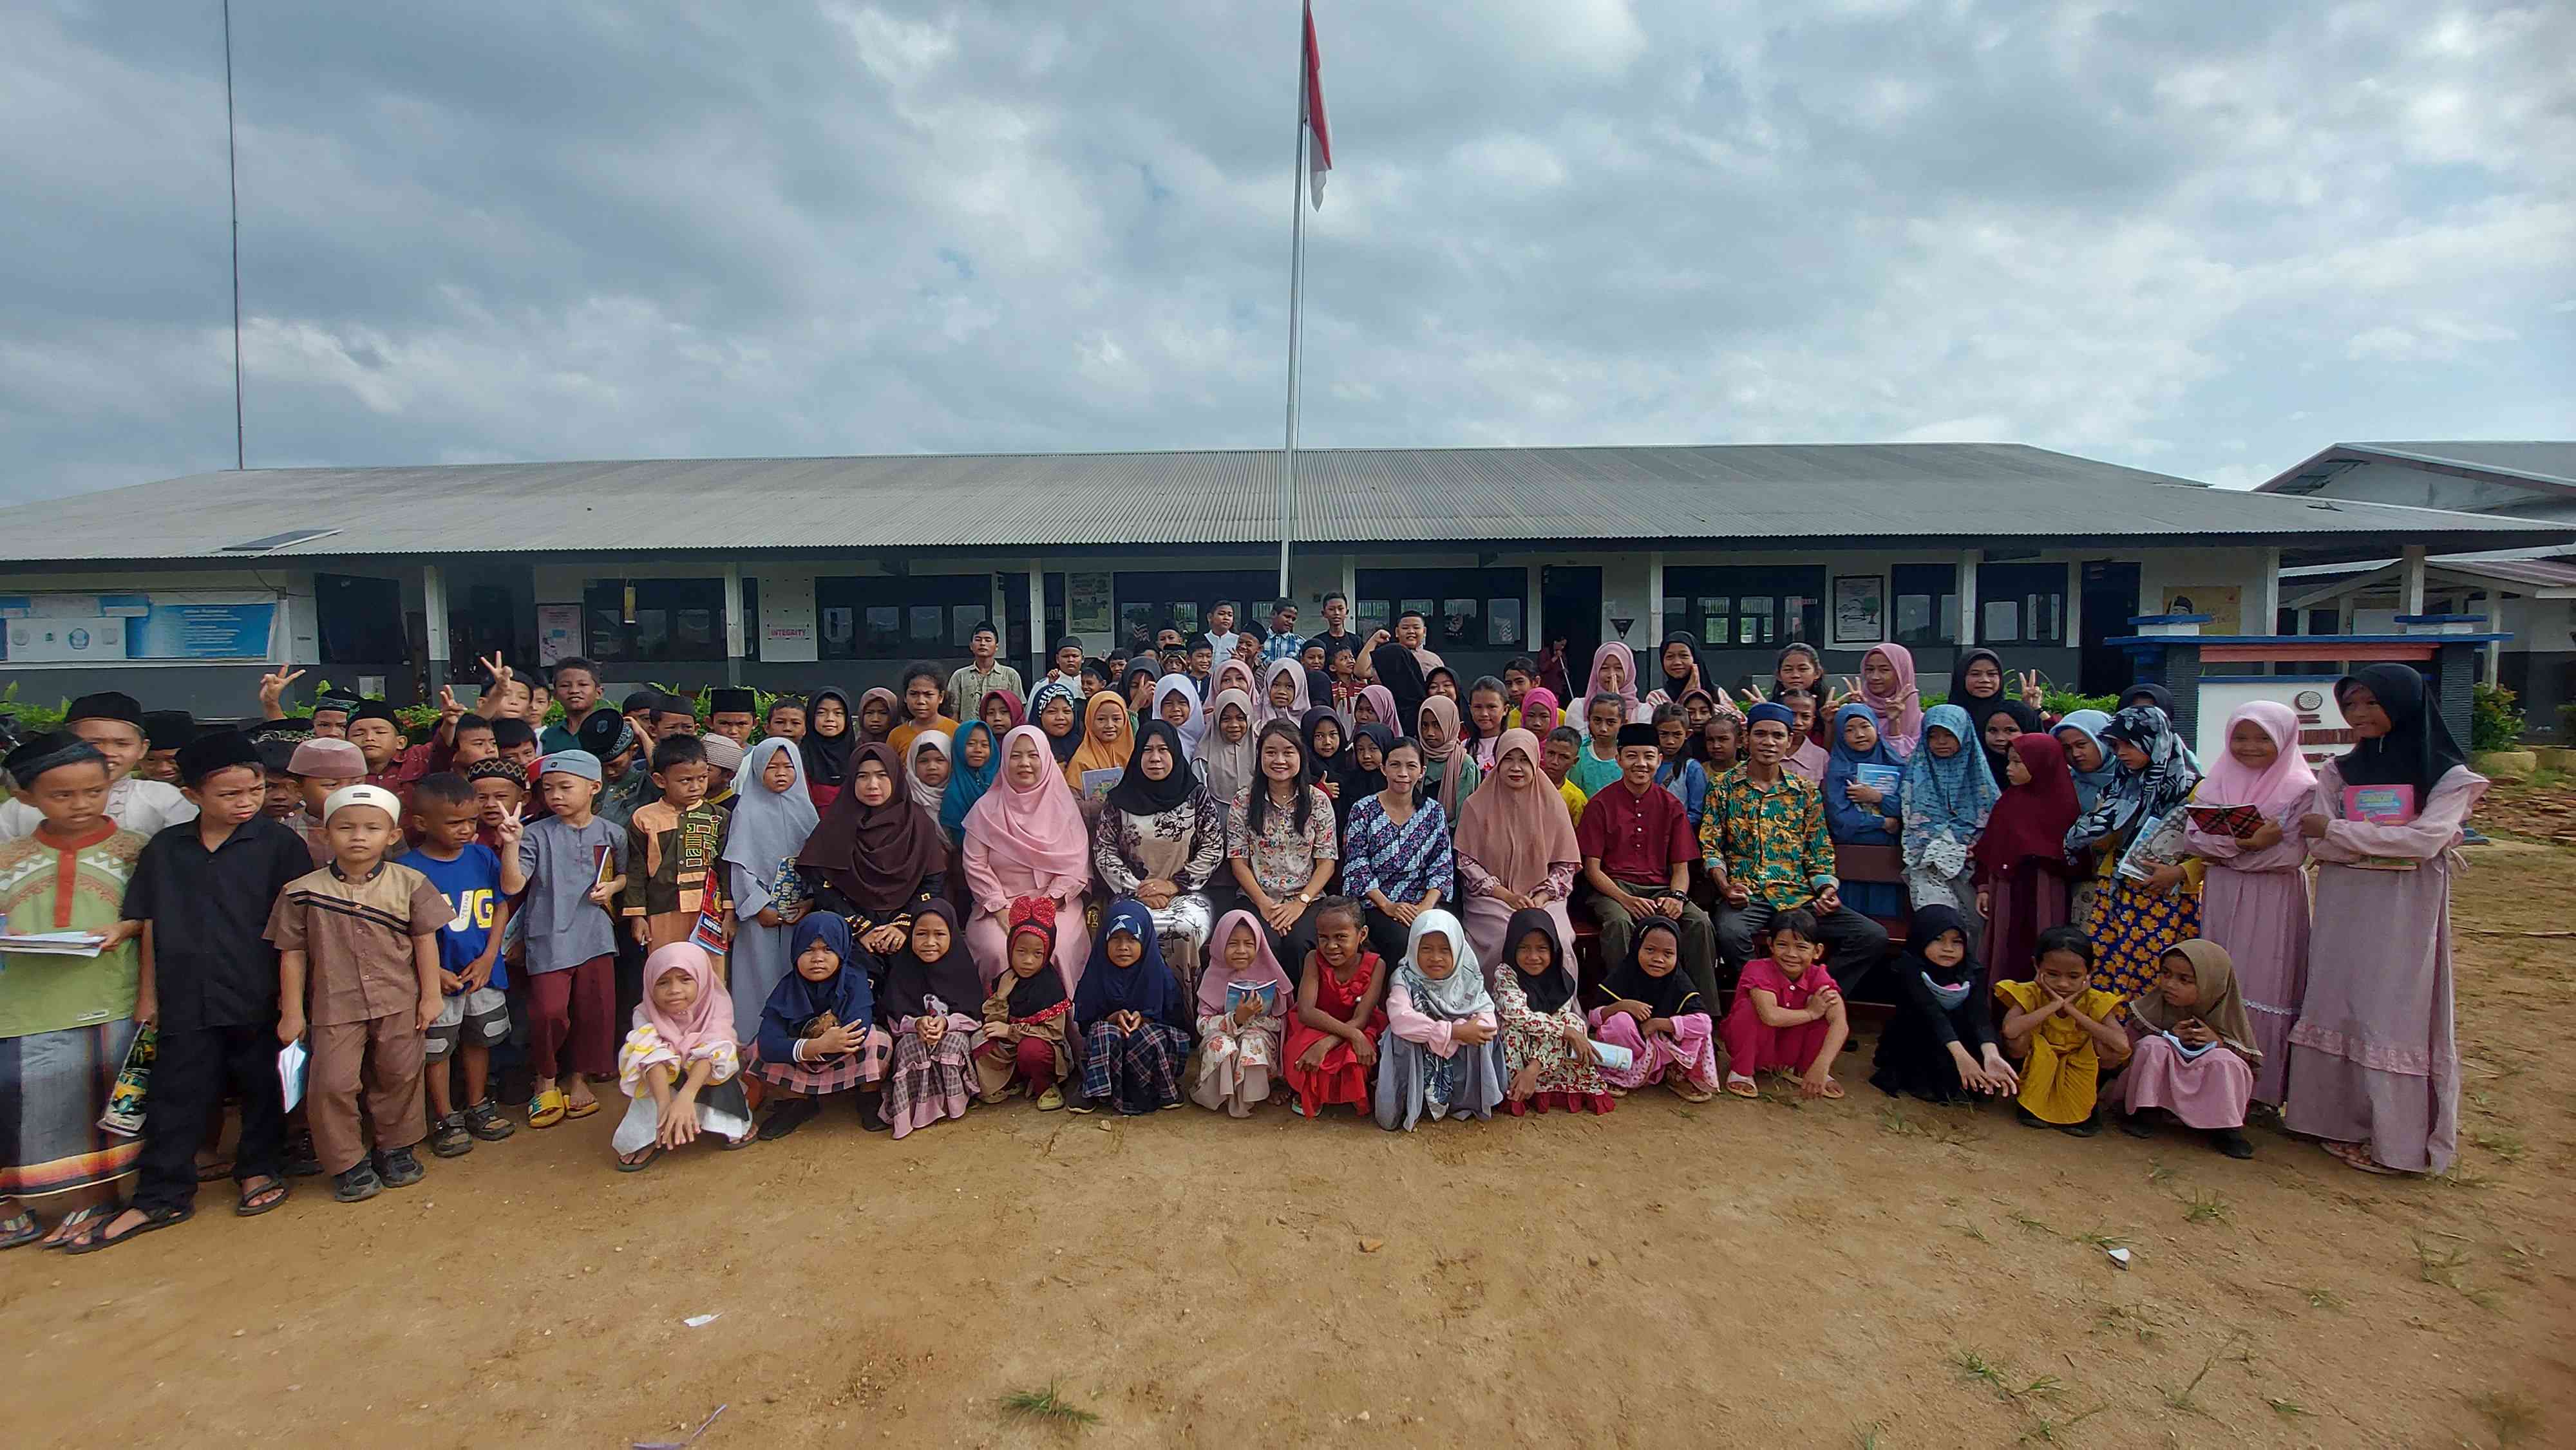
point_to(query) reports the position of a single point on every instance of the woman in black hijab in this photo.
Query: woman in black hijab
(1988, 683)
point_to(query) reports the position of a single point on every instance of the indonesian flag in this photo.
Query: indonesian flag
(1310, 106)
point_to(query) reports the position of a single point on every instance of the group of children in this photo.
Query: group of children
(867, 898)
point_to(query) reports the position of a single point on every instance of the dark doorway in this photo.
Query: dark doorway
(1569, 607)
(1015, 617)
(2110, 599)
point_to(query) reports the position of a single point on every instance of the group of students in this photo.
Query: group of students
(1180, 889)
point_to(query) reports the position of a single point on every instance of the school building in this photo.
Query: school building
(799, 572)
(2524, 591)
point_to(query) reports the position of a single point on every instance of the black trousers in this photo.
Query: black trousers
(1387, 936)
(190, 1071)
(1854, 944)
(1290, 947)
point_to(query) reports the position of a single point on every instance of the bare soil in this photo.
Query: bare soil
(1862, 1273)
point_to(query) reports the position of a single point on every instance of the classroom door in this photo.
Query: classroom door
(2110, 600)
(1569, 607)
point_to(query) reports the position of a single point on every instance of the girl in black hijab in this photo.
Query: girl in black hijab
(1941, 1045)
(1988, 683)
(1998, 745)
(1401, 673)
(827, 753)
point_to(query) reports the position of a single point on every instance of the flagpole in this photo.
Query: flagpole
(232, 185)
(1296, 319)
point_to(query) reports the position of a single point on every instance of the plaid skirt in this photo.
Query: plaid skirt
(836, 1075)
(53, 1088)
(1140, 1071)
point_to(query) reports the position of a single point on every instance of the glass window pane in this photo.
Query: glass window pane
(1185, 615)
(1503, 623)
(961, 626)
(652, 634)
(695, 629)
(839, 627)
(1458, 619)
(926, 620)
(1369, 617)
(2003, 621)
(1753, 619)
(1415, 606)
(607, 635)
(884, 629)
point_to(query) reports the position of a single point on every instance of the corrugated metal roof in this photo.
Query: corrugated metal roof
(2548, 573)
(1752, 493)
(2537, 461)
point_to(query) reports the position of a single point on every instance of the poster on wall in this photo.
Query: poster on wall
(558, 633)
(180, 625)
(1860, 609)
(788, 633)
(2223, 603)
(1087, 604)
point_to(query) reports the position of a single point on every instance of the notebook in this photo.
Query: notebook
(2238, 821)
(2159, 844)
(1614, 1058)
(2188, 1051)
(1096, 783)
(2382, 805)
(1236, 992)
(1880, 777)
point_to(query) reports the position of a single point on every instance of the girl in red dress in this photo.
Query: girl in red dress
(1332, 1043)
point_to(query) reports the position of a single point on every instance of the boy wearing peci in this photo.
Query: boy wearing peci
(358, 973)
(201, 895)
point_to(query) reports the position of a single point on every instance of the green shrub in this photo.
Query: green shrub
(2567, 723)
(2494, 722)
(33, 719)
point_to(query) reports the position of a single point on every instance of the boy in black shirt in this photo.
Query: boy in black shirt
(202, 890)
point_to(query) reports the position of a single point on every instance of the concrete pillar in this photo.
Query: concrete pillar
(2072, 635)
(1655, 597)
(1039, 645)
(733, 632)
(433, 618)
(1533, 622)
(2269, 597)
(1968, 618)
(2410, 581)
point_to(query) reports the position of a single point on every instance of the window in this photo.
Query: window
(925, 616)
(1148, 602)
(1746, 608)
(750, 618)
(1927, 603)
(647, 620)
(2021, 604)
(361, 619)
(1465, 609)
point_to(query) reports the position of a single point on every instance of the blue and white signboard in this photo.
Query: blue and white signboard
(101, 628)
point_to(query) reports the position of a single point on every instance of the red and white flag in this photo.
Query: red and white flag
(1310, 105)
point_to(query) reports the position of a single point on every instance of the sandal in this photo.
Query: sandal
(485, 1122)
(2357, 1156)
(546, 1109)
(153, 1218)
(71, 1226)
(1688, 1091)
(19, 1228)
(448, 1137)
(214, 1172)
(1740, 1086)
(581, 1109)
(1052, 1100)
(274, 1190)
(640, 1160)
(1831, 1092)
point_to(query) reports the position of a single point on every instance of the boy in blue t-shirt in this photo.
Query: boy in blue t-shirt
(474, 1014)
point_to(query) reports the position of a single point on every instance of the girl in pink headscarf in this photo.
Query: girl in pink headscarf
(1887, 688)
(1614, 672)
(680, 1067)
(1025, 838)
(2254, 901)
(1243, 1003)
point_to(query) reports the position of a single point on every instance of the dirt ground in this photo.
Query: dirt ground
(1841, 1274)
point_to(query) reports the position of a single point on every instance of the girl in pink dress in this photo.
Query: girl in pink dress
(1788, 1015)
(2193, 1052)
(2254, 901)
(1655, 1014)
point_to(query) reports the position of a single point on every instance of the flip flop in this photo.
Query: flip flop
(1740, 1086)
(1832, 1091)
(640, 1164)
(2357, 1156)
(19, 1228)
(79, 1217)
(153, 1219)
(581, 1110)
(244, 1208)
(214, 1172)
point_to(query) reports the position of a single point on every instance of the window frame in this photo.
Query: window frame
(1692, 586)
(603, 606)
(959, 601)
(1378, 596)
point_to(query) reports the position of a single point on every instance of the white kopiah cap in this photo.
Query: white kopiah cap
(362, 795)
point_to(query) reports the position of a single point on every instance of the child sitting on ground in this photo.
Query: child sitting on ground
(1332, 1047)
(818, 1033)
(2194, 1055)
(928, 988)
(1243, 1007)
(2059, 1027)
(473, 1015)
(1656, 1016)
(678, 1067)
(1028, 1019)
(1441, 1057)
(1132, 1016)
(1546, 1048)
(1788, 1016)
(1940, 1044)
(358, 969)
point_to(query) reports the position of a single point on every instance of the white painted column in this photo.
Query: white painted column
(1533, 622)
(1654, 596)
(1968, 561)
(733, 621)
(433, 619)
(1351, 581)
(2073, 633)
(1039, 644)
(2269, 596)
(2410, 576)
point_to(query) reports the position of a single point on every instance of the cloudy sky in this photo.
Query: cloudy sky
(2204, 238)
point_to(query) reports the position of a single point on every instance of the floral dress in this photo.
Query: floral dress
(1185, 846)
(1567, 1078)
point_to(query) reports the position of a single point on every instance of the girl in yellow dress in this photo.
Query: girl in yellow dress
(2060, 1027)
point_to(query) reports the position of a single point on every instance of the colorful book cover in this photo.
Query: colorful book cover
(1236, 992)
(1880, 777)
(2238, 821)
(2159, 844)
(709, 935)
(2381, 805)
(1096, 783)
(125, 1101)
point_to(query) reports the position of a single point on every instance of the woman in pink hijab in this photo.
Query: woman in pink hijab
(2254, 901)
(1614, 672)
(1025, 838)
(1516, 851)
(1382, 711)
(1887, 688)
(1540, 713)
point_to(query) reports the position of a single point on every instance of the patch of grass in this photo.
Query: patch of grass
(1972, 1231)
(2043, 1430)
(1865, 1437)
(2439, 1265)
(2468, 1178)
(1049, 1406)
(1977, 1367)
(2182, 1399)
(2321, 1298)
(2028, 1222)
(2103, 1239)
(2507, 1146)
(2131, 1319)
(2206, 1207)
(2511, 1414)
(2287, 1409)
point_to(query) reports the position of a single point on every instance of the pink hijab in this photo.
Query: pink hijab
(1263, 972)
(1637, 711)
(2229, 782)
(1382, 700)
(709, 1019)
(1901, 710)
(1518, 836)
(1027, 842)
(1539, 711)
(1217, 685)
(1263, 712)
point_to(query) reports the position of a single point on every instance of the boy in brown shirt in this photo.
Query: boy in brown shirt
(358, 969)
(673, 849)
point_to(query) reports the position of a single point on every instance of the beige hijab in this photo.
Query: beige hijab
(2221, 1009)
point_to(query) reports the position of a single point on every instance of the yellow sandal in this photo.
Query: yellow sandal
(546, 1109)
